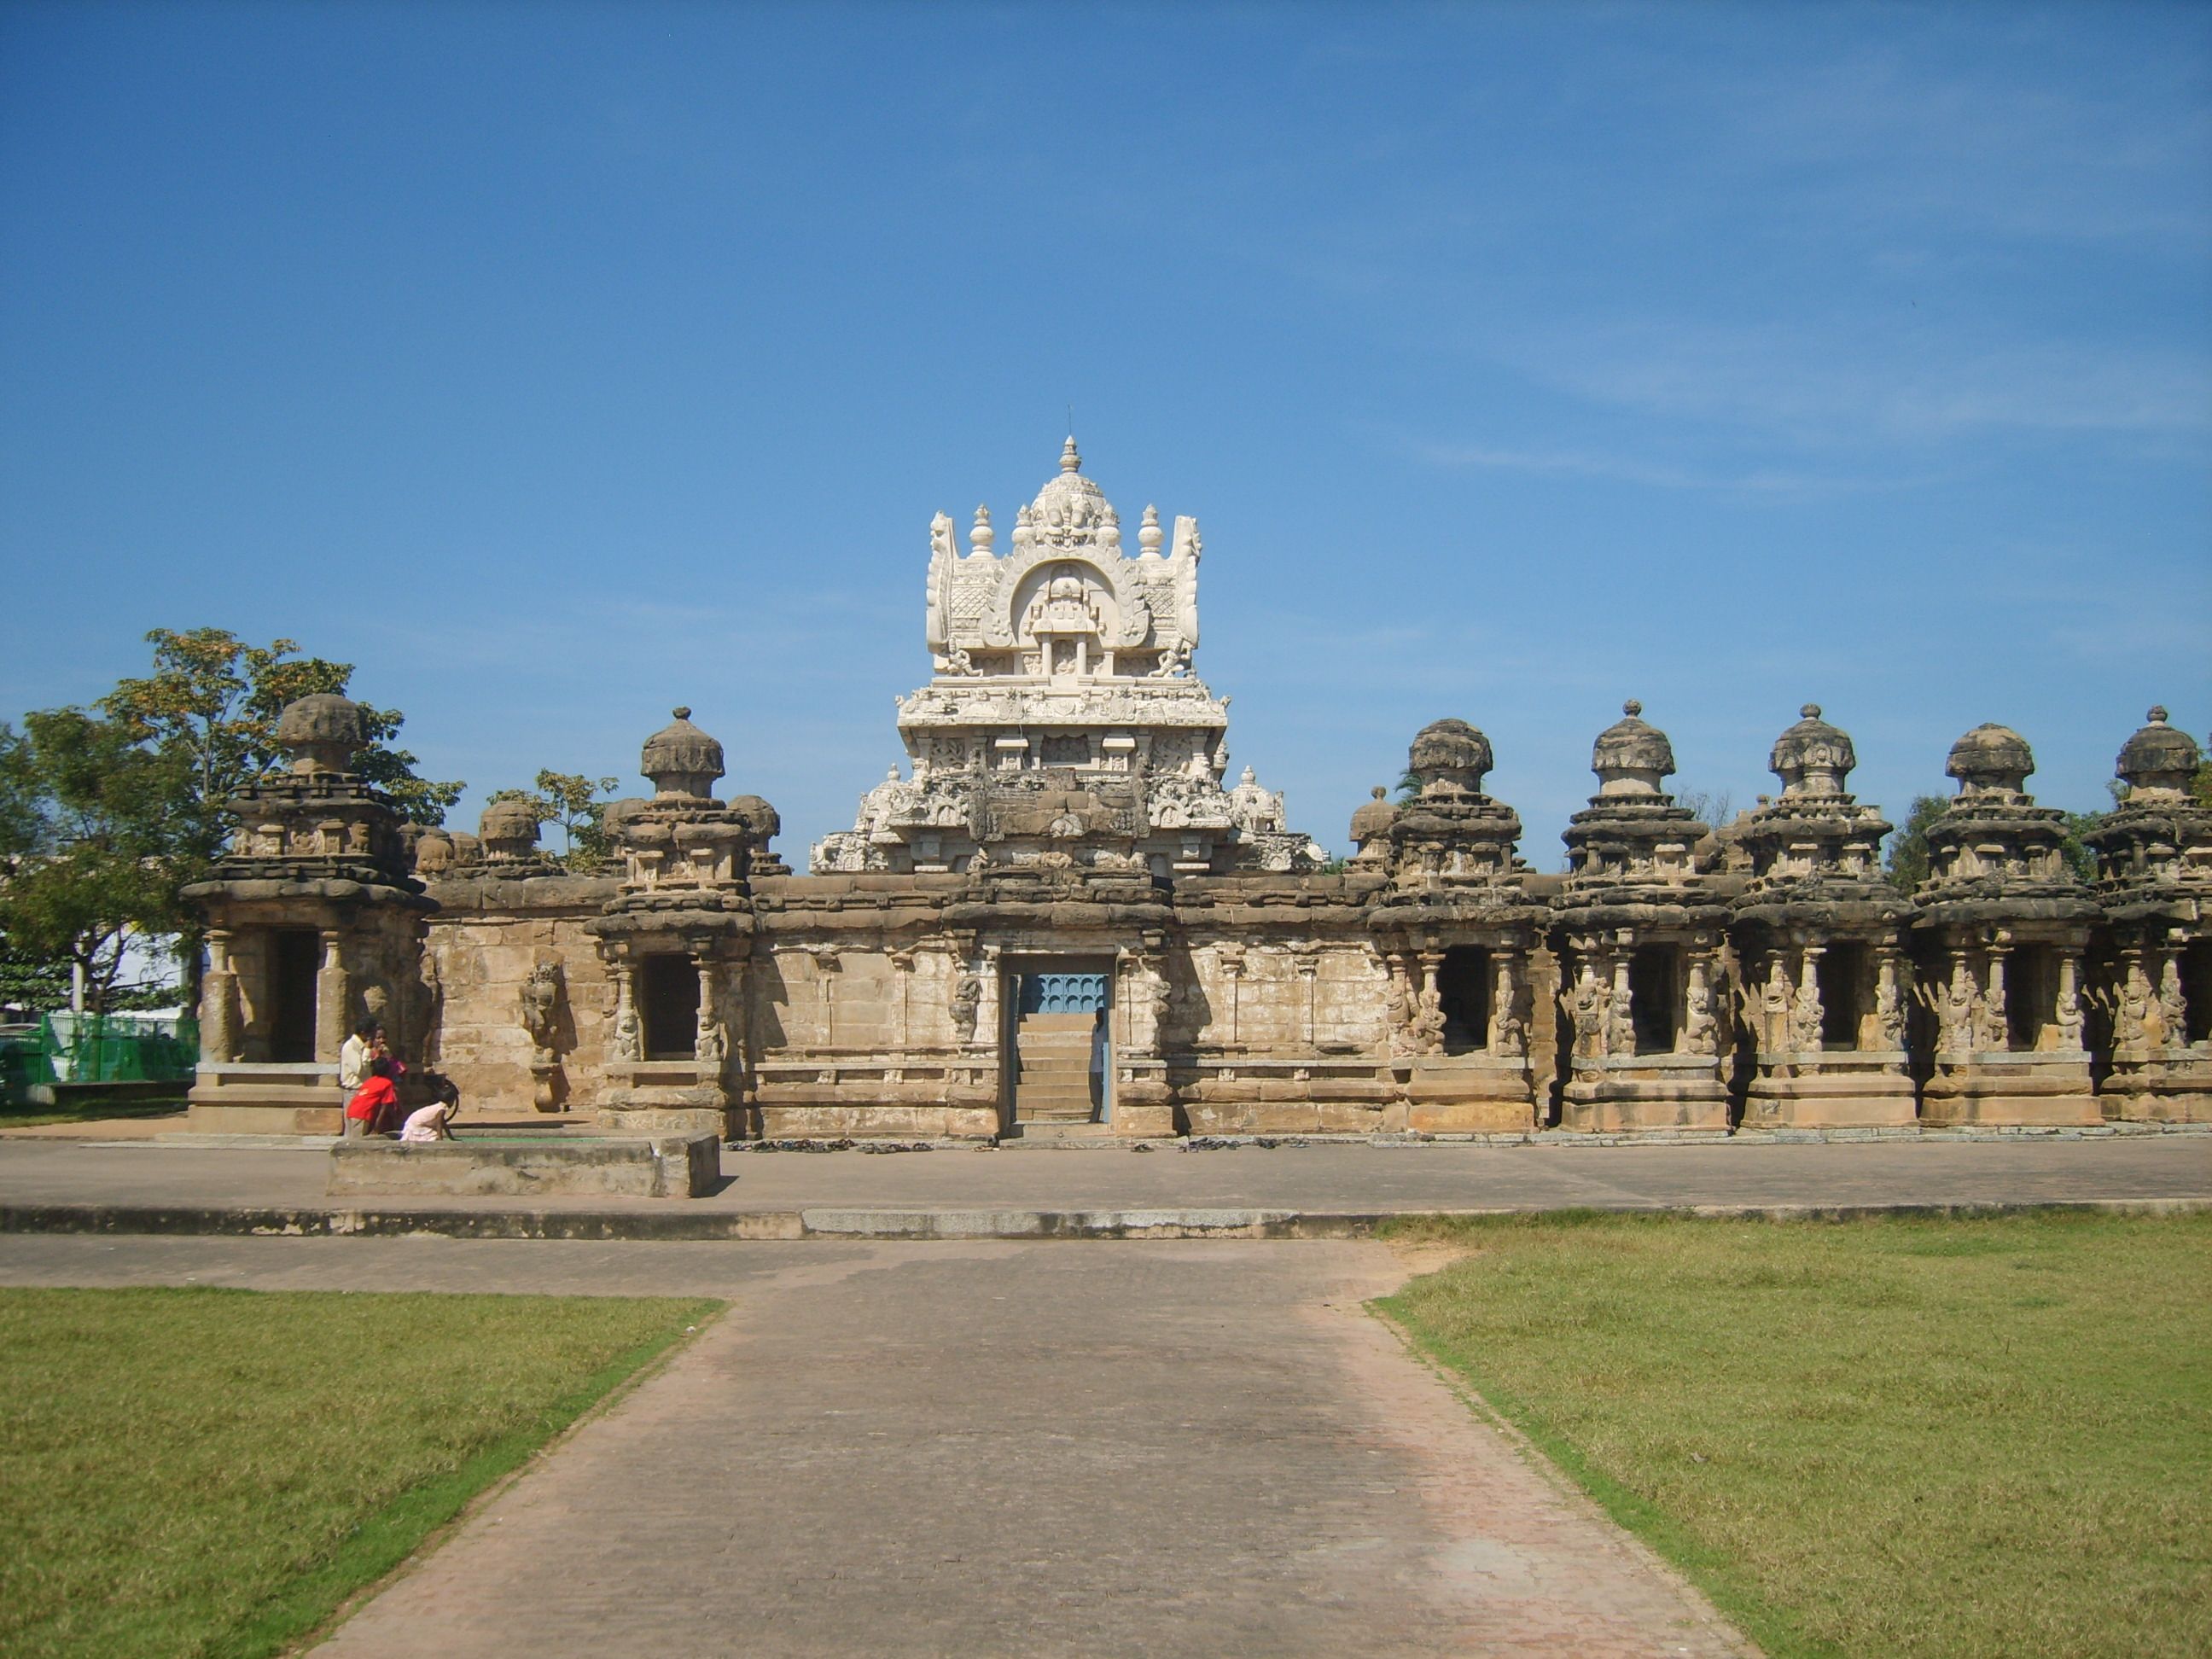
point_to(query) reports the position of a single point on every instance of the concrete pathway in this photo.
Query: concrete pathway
(1356, 1178)
(988, 1448)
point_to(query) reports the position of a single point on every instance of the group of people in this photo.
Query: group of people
(370, 1074)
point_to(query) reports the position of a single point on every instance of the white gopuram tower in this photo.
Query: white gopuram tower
(1064, 716)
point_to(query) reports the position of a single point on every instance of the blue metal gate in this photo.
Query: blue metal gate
(1063, 993)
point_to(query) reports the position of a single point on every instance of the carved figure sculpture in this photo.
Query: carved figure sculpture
(1587, 1012)
(540, 999)
(966, 1003)
(1429, 1025)
(1700, 1032)
(1889, 1011)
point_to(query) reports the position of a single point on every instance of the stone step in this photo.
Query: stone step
(1058, 1021)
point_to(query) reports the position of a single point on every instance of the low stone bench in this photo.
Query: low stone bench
(474, 1166)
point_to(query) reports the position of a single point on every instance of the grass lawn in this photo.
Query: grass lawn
(1908, 1436)
(211, 1471)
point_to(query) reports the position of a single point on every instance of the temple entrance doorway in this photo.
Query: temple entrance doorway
(1059, 1060)
(668, 998)
(294, 954)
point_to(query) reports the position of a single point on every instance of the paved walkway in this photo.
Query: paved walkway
(988, 1448)
(1346, 1179)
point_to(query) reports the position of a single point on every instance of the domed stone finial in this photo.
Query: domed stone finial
(1989, 760)
(323, 730)
(1813, 757)
(1631, 756)
(1371, 822)
(983, 536)
(2157, 715)
(680, 712)
(1150, 535)
(1070, 459)
(2158, 762)
(682, 760)
(508, 831)
(1449, 755)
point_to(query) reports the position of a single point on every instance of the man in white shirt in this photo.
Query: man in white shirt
(355, 1053)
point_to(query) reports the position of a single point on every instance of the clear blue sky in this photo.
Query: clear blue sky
(557, 365)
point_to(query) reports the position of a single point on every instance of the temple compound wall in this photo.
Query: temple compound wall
(1057, 920)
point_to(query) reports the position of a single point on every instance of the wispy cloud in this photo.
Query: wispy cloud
(1629, 468)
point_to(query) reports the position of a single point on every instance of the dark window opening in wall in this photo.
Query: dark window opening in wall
(1843, 995)
(1654, 997)
(1463, 984)
(668, 1000)
(2196, 991)
(2031, 993)
(294, 955)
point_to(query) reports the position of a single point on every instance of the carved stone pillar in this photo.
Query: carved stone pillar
(1699, 1033)
(1619, 1020)
(1954, 1008)
(1889, 999)
(901, 980)
(1805, 1015)
(1430, 1022)
(2066, 1014)
(710, 1047)
(2172, 1007)
(628, 1042)
(333, 998)
(1997, 1032)
(219, 1033)
(1508, 1028)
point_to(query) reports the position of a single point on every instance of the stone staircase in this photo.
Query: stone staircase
(1052, 1080)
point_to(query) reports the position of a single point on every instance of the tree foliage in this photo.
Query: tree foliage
(92, 822)
(214, 700)
(1908, 845)
(570, 801)
(105, 813)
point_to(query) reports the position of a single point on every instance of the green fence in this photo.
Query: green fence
(95, 1048)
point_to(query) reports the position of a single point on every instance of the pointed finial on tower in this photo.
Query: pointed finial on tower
(1069, 460)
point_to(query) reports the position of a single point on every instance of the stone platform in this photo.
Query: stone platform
(667, 1166)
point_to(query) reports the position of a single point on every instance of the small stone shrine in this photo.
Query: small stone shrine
(1819, 944)
(2003, 925)
(1058, 921)
(1646, 938)
(2153, 889)
(314, 924)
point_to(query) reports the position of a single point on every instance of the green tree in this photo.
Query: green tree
(571, 801)
(214, 700)
(1908, 843)
(89, 815)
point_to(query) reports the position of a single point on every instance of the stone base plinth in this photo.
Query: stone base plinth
(888, 1121)
(1856, 1099)
(659, 1166)
(664, 1098)
(1285, 1117)
(1291, 1098)
(1620, 1095)
(1468, 1094)
(2159, 1091)
(239, 1099)
(2008, 1090)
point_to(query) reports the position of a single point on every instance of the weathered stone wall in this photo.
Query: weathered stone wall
(484, 940)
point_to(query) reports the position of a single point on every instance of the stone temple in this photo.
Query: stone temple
(1058, 921)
